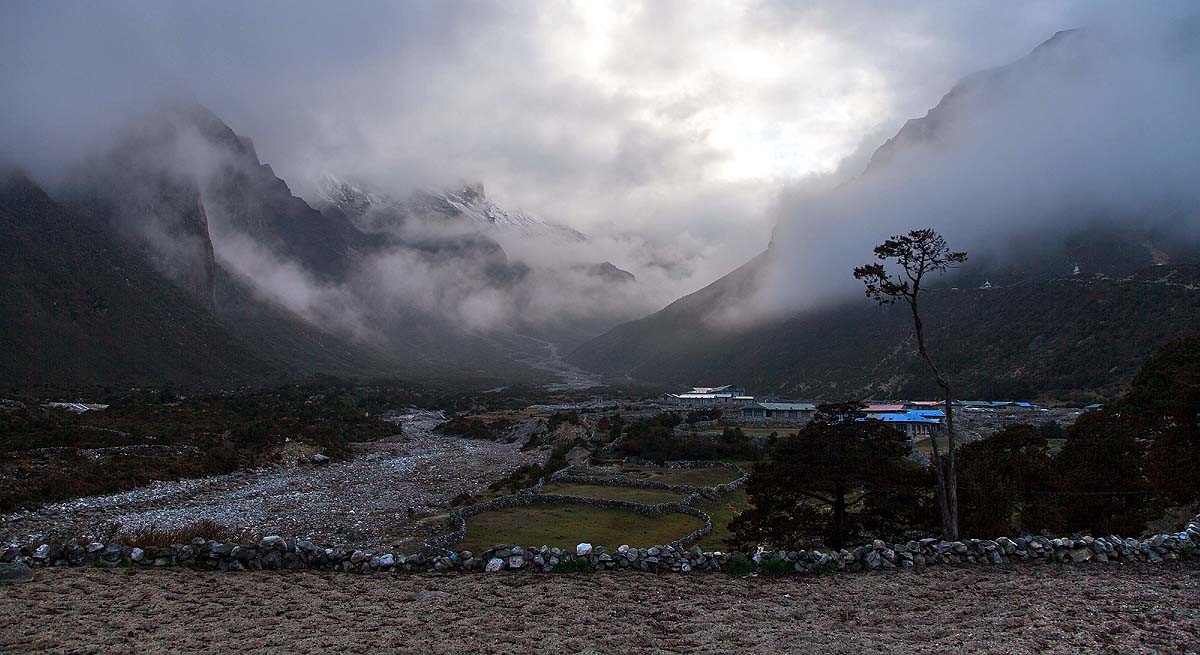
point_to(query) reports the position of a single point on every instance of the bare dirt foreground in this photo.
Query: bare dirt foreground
(1042, 609)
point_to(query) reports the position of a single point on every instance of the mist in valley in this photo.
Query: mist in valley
(678, 150)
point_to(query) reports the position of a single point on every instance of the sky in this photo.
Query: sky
(668, 119)
(678, 131)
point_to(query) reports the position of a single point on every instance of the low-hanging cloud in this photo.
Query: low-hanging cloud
(1097, 127)
(663, 130)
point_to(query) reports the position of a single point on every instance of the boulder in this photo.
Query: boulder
(583, 550)
(495, 564)
(14, 572)
(1080, 554)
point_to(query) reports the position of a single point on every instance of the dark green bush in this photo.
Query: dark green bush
(578, 565)
(740, 567)
(776, 567)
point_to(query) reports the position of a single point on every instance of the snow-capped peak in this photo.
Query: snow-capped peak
(470, 202)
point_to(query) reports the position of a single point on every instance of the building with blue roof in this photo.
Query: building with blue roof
(911, 423)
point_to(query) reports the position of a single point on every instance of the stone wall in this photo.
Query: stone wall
(273, 553)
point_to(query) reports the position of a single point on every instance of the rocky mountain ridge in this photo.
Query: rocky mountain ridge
(380, 212)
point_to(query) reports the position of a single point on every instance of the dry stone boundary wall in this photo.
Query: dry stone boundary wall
(273, 553)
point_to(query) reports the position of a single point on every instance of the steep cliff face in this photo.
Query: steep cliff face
(80, 307)
(140, 191)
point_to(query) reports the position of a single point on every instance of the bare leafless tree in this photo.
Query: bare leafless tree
(917, 254)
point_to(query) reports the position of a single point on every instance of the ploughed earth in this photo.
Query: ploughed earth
(1002, 609)
(374, 500)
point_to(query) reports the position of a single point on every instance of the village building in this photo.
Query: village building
(912, 423)
(779, 411)
(883, 409)
(705, 396)
(990, 405)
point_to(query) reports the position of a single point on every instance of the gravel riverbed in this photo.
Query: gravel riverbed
(371, 501)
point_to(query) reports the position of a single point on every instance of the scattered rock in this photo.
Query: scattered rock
(15, 572)
(430, 595)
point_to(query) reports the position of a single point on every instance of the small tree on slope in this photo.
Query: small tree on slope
(918, 254)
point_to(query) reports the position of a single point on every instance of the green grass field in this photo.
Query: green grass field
(723, 510)
(644, 496)
(701, 477)
(567, 525)
(926, 446)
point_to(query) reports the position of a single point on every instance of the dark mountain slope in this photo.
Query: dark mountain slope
(79, 308)
(292, 347)
(1043, 338)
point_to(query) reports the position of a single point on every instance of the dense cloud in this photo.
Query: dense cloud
(664, 130)
(1096, 128)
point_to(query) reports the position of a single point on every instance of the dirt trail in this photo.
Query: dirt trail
(368, 502)
(1032, 609)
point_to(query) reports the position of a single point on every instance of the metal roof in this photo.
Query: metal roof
(901, 417)
(803, 407)
(727, 388)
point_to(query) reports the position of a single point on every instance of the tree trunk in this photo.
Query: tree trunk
(946, 491)
(839, 515)
(951, 469)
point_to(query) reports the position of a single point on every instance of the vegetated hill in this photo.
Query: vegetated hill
(1044, 338)
(78, 307)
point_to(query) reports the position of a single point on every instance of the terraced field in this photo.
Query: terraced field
(565, 526)
(630, 494)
